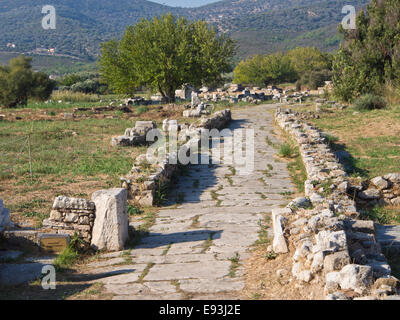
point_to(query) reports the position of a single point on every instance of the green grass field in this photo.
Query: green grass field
(371, 137)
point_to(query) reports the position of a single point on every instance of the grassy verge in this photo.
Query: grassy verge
(369, 142)
(371, 138)
(382, 215)
(290, 152)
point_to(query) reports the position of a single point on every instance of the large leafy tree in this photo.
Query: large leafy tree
(18, 83)
(165, 53)
(307, 59)
(264, 70)
(369, 57)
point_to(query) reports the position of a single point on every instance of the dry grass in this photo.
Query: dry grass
(263, 282)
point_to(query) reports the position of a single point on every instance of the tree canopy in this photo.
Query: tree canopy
(165, 53)
(263, 70)
(309, 65)
(18, 82)
(306, 59)
(369, 57)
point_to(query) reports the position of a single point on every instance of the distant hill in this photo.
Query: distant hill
(258, 25)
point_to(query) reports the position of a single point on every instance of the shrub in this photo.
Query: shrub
(132, 210)
(66, 258)
(141, 110)
(331, 140)
(369, 101)
(18, 83)
(315, 78)
(286, 150)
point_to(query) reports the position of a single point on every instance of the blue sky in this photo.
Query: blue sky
(184, 3)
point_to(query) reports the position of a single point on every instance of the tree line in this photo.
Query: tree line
(368, 60)
(306, 66)
(166, 52)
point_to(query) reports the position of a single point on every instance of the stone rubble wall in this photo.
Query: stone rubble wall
(5, 221)
(72, 215)
(134, 136)
(219, 120)
(330, 244)
(142, 186)
(382, 190)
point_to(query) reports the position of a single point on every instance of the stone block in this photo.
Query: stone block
(336, 261)
(63, 202)
(369, 194)
(356, 277)
(380, 183)
(110, 229)
(279, 243)
(142, 127)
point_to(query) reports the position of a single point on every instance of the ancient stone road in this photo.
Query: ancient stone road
(193, 248)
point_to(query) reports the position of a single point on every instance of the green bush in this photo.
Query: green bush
(286, 150)
(141, 110)
(315, 78)
(18, 83)
(66, 258)
(331, 140)
(369, 101)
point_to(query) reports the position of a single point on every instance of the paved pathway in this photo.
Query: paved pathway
(388, 237)
(193, 248)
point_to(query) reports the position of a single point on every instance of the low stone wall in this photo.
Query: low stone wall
(72, 215)
(4, 217)
(142, 185)
(134, 136)
(219, 120)
(378, 191)
(330, 245)
(196, 111)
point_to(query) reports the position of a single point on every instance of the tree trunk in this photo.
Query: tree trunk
(171, 95)
(168, 95)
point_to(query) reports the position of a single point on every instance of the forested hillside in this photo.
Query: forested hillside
(259, 25)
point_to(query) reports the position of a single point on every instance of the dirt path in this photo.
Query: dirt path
(196, 250)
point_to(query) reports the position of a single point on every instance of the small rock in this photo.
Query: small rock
(337, 296)
(336, 261)
(393, 177)
(344, 186)
(332, 281)
(369, 194)
(395, 201)
(300, 202)
(281, 273)
(380, 183)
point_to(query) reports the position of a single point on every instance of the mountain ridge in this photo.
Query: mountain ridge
(258, 25)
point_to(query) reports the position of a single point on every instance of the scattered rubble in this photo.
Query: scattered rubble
(134, 136)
